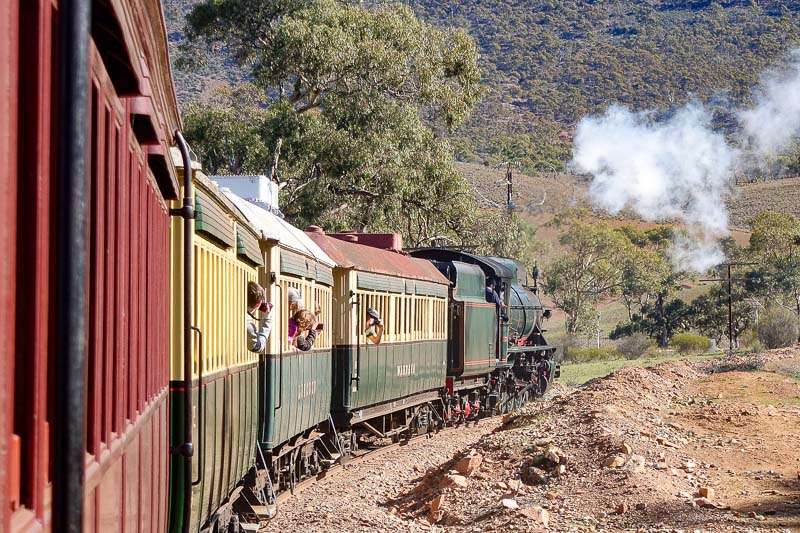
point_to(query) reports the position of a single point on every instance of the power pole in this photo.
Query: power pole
(510, 187)
(730, 312)
(728, 280)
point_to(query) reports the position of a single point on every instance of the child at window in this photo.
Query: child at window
(304, 326)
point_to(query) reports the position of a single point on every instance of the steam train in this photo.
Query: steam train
(131, 401)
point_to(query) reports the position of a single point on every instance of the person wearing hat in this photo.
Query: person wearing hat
(374, 329)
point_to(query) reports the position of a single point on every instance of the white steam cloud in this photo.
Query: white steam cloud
(679, 169)
(773, 122)
(672, 170)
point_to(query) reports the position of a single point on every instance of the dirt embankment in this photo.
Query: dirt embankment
(709, 446)
(690, 446)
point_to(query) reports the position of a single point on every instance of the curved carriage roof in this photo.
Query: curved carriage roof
(274, 227)
(371, 259)
(490, 265)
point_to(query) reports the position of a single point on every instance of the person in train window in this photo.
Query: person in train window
(306, 328)
(493, 297)
(295, 300)
(374, 329)
(258, 329)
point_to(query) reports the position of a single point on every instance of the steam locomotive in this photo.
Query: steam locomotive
(131, 399)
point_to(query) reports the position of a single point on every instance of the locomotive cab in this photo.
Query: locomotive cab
(523, 360)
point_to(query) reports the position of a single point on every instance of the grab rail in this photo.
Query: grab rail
(201, 424)
(284, 331)
(357, 377)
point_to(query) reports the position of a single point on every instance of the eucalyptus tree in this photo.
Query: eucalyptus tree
(348, 99)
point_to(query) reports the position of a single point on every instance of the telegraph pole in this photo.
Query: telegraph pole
(728, 280)
(510, 187)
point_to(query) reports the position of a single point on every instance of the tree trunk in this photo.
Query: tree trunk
(276, 156)
(663, 335)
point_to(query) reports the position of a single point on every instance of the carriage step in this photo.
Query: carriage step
(264, 511)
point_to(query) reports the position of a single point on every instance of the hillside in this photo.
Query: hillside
(547, 63)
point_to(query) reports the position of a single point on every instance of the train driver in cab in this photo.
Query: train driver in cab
(258, 329)
(493, 297)
(374, 329)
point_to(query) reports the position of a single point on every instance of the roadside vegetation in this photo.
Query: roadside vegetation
(601, 264)
(579, 373)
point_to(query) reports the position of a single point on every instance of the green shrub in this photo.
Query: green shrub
(690, 343)
(634, 346)
(748, 341)
(585, 355)
(777, 328)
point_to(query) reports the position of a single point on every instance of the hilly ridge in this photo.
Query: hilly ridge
(547, 63)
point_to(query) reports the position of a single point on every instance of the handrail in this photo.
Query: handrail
(284, 330)
(201, 424)
(357, 377)
(69, 297)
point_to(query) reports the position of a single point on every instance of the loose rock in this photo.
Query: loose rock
(469, 465)
(509, 503)
(706, 492)
(515, 485)
(455, 480)
(705, 503)
(537, 514)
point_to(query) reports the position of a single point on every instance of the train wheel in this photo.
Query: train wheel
(544, 383)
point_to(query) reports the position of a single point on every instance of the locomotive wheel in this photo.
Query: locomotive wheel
(544, 383)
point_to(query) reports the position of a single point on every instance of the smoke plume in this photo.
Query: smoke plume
(770, 126)
(679, 169)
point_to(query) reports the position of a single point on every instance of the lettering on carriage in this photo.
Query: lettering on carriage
(307, 389)
(406, 370)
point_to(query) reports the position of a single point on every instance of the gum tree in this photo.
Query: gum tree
(347, 102)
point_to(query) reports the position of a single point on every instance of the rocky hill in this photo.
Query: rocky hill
(550, 62)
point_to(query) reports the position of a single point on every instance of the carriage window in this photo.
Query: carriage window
(312, 295)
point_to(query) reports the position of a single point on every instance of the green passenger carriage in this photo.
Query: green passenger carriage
(224, 391)
(381, 391)
(294, 386)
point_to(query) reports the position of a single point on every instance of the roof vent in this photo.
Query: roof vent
(384, 241)
(315, 229)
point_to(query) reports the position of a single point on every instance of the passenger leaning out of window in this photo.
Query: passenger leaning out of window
(374, 329)
(258, 329)
(295, 301)
(304, 326)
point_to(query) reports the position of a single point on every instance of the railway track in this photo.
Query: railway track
(260, 518)
(374, 453)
